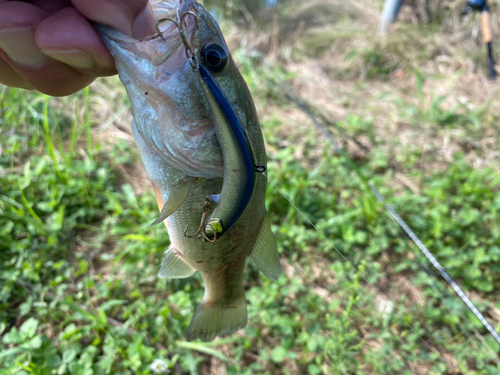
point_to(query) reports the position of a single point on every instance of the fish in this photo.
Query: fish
(198, 134)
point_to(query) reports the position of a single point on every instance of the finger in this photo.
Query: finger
(18, 22)
(52, 77)
(132, 17)
(51, 6)
(9, 77)
(69, 38)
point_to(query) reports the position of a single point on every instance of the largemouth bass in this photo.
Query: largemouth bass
(199, 138)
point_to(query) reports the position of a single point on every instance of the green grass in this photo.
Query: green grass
(78, 258)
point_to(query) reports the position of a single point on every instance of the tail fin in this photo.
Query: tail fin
(211, 320)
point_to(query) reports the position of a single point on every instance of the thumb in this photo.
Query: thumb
(132, 17)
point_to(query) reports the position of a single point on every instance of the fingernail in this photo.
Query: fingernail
(73, 57)
(144, 24)
(19, 43)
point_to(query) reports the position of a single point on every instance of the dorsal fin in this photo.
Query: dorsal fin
(265, 253)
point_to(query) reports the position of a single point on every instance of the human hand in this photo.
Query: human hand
(51, 46)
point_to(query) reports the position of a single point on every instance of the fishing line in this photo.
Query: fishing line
(467, 337)
(435, 263)
(431, 282)
(326, 133)
(387, 299)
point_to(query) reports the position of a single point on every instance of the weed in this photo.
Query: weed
(79, 292)
(342, 348)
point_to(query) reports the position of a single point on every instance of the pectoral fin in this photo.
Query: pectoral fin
(174, 267)
(265, 253)
(175, 200)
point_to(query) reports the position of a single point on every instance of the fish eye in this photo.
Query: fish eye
(214, 57)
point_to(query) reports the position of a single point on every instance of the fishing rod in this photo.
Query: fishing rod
(392, 8)
(482, 6)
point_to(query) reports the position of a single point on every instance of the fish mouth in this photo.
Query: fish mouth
(170, 113)
(178, 38)
(163, 8)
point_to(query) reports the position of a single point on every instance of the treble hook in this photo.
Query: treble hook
(207, 237)
(193, 59)
(159, 33)
(204, 235)
(192, 55)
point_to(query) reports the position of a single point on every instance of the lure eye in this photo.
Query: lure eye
(214, 57)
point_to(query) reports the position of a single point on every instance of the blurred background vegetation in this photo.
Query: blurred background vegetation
(415, 115)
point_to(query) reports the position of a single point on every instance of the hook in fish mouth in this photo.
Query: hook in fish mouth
(191, 52)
